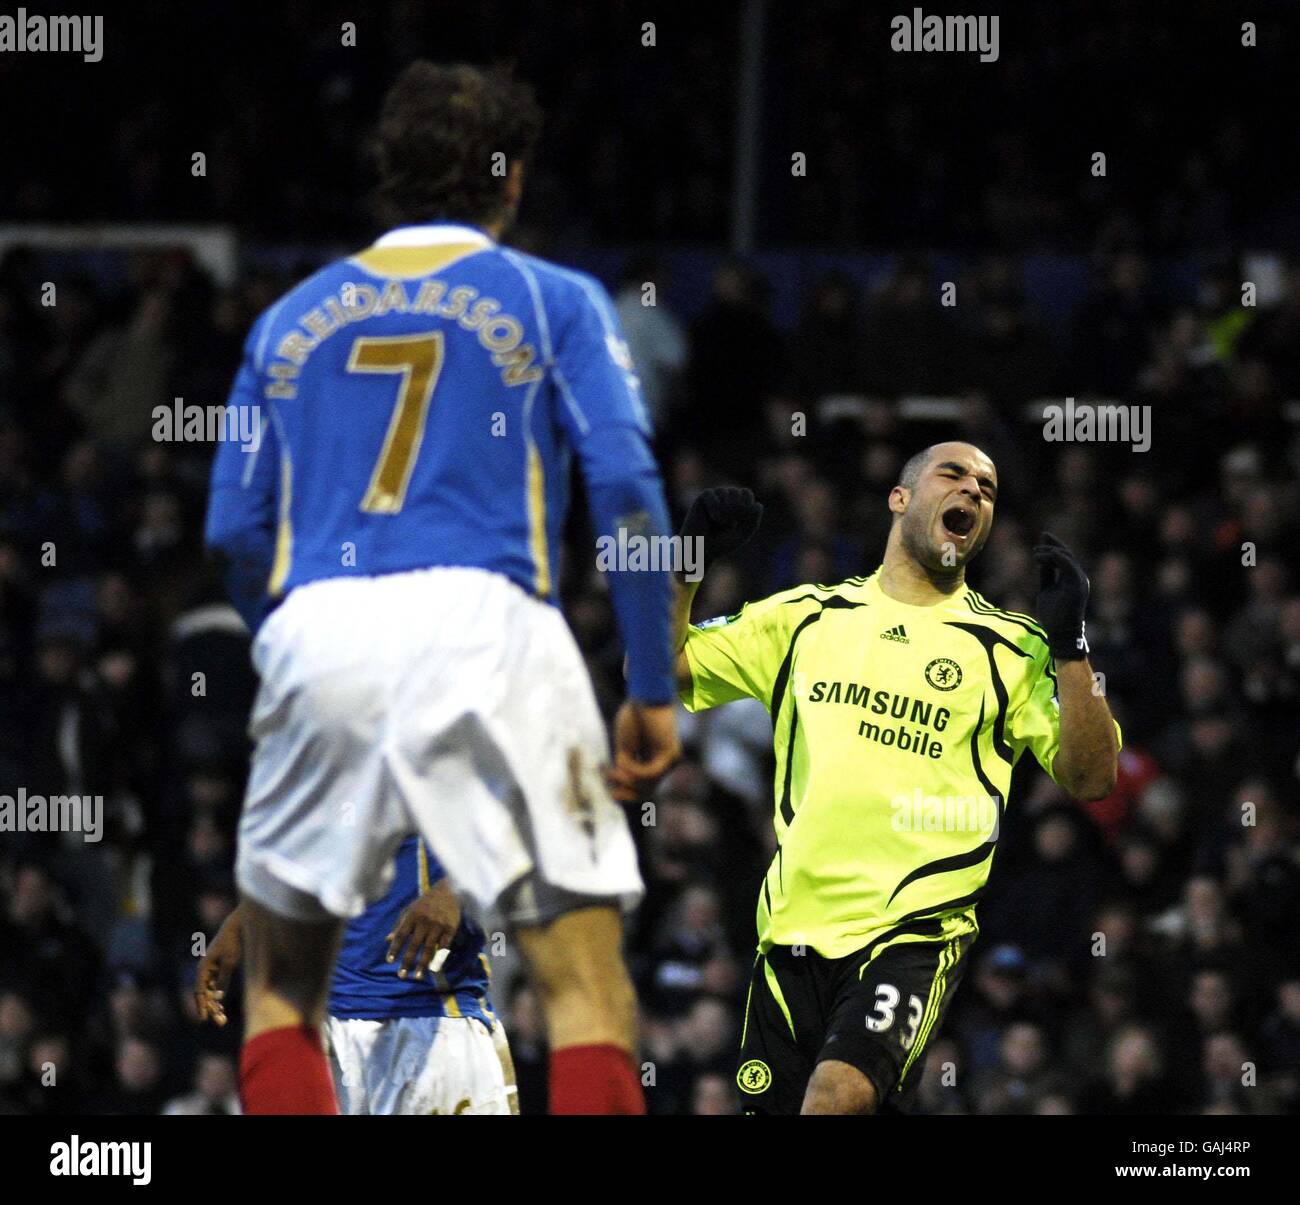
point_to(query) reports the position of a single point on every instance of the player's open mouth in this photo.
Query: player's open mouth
(958, 522)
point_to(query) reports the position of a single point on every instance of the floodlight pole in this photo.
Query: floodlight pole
(749, 117)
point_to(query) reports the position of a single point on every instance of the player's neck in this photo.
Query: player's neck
(906, 580)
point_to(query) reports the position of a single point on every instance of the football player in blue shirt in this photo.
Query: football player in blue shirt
(410, 1026)
(392, 537)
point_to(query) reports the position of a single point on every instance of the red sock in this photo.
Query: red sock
(285, 1071)
(595, 1079)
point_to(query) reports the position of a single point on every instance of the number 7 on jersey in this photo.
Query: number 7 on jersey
(418, 360)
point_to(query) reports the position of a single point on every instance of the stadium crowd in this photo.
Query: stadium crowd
(1139, 954)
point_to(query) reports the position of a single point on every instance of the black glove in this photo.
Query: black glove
(724, 518)
(1062, 598)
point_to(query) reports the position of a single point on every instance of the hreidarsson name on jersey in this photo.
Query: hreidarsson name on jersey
(501, 334)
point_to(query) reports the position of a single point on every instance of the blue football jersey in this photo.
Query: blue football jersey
(365, 984)
(419, 404)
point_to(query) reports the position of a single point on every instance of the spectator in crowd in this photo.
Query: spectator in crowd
(713, 1096)
(1134, 1079)
(215, 1091)
(1022, 1075)
(1280, 1045)
(655, 336)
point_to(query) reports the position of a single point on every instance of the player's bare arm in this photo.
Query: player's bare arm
(217, 966)
(425, 930)
(1085, 763)
(684, 593)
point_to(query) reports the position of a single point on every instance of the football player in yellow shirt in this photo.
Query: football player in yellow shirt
(900, 704)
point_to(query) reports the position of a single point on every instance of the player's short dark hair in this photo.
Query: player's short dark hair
(910, 473)
(439, 128)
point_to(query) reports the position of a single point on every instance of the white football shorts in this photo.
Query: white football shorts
(421, 1065)
(446, 701)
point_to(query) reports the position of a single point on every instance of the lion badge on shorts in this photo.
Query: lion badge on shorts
(754, 1077)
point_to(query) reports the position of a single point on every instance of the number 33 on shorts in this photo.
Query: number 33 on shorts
(886, 1013)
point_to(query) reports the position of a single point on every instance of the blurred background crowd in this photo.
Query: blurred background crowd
(810, 376)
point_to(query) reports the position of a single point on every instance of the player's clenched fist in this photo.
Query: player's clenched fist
(425, 928)
(1062, 598)
(645, 747)
(724, 519)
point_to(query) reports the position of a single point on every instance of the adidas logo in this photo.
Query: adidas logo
(899, 634)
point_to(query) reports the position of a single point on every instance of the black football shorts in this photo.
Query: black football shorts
(874, 1013)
